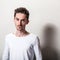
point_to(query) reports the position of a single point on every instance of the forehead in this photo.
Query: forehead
(20, 15)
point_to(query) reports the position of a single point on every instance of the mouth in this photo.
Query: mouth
(19, 26)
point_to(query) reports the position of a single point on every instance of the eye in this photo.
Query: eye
(23, 20)
(17, 19)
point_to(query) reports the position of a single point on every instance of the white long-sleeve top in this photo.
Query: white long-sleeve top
(22, 48)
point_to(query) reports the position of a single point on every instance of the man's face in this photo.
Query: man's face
(20, 21)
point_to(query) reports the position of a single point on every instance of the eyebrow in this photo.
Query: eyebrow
(21, 19)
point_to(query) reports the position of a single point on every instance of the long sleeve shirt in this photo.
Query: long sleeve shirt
(22, 48)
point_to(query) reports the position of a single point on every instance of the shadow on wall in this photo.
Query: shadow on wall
(48, 51)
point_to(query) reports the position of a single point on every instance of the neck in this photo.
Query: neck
(21, 33)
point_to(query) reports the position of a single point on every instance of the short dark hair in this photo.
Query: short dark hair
(22, 10)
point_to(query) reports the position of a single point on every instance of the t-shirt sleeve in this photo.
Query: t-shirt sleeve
(37, 49)
(6, 51)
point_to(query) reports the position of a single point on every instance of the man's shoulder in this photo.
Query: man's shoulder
(8, 35)
(34, 35)
(35, 38)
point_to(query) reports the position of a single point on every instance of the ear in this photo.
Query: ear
(27, 21)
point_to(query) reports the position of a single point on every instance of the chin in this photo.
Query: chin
(19, 29)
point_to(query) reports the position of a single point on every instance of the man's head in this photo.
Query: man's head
(23, 11)
(21, 16)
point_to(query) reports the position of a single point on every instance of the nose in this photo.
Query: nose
(20, 22)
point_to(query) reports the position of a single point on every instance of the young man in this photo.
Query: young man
(21, 45)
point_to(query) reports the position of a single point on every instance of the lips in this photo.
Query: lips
(19, 26)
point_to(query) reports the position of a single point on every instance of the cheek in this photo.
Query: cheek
(24, 23)
(15, 22)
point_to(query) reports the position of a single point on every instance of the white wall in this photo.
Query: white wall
(42, 12)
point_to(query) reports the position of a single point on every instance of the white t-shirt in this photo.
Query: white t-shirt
(21, 48)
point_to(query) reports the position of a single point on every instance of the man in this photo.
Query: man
(21, 45)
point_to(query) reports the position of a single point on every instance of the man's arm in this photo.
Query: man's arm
(6, 51)
(37, 49)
